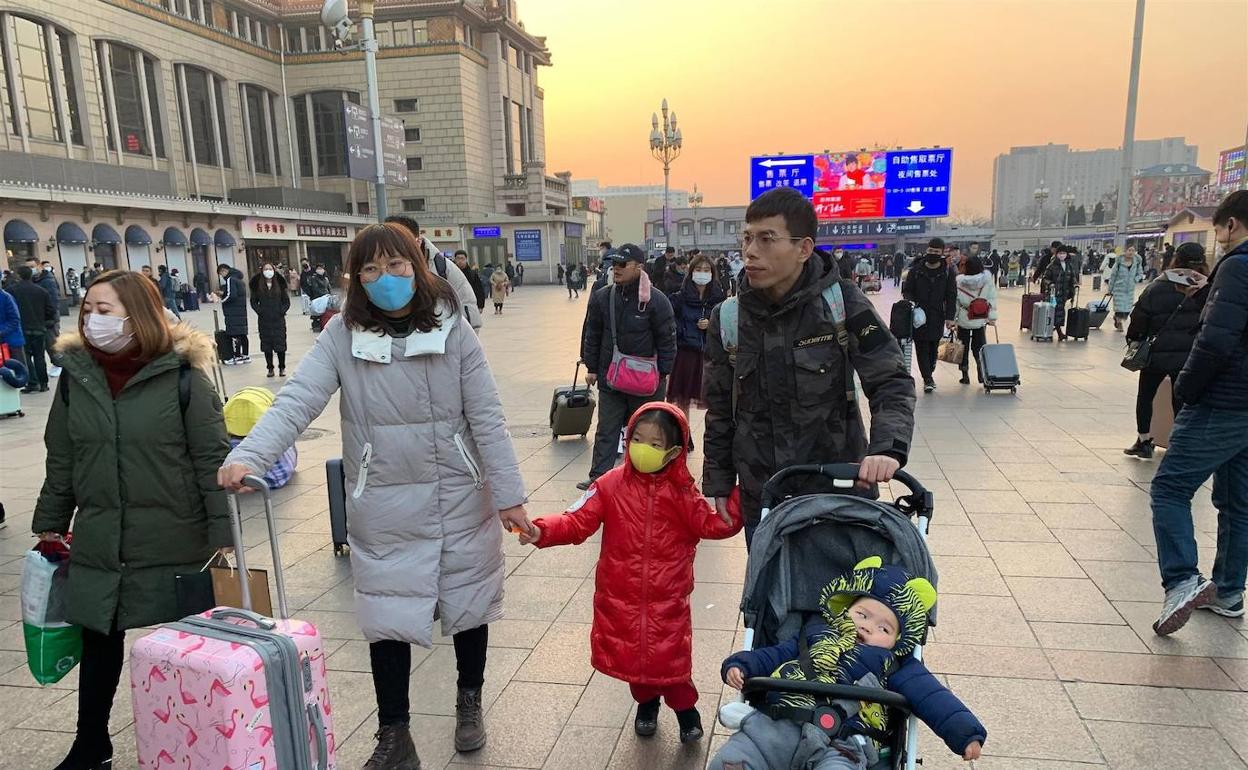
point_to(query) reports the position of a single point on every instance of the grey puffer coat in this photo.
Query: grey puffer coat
(429, 464)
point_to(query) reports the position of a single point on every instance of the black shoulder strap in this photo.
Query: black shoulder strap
(439, 264)
(803, 653)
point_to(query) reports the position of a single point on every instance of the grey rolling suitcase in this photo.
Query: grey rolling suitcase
(999, 367)
(336, 478)
(1042, 321)
(572, 409)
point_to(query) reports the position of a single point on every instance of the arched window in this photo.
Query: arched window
(137, 97)
(204, 97)
(36, 61)
(327, 141)
(260, 124)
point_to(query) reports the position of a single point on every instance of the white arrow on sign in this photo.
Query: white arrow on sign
(915, 207)
(790, 162)
(879, 228)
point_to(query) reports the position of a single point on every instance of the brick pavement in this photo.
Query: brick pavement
(1042, 536)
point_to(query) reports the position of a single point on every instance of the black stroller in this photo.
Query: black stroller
(802, 543)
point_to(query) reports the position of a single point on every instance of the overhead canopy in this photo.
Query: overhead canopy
(137, 236)
(103, 233)
(17, 231)
(68, 232)
(223, 238)
(174, 237)
(200, 238)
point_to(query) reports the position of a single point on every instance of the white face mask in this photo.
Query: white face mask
(268, 273)
(702, 278)
(107, 332)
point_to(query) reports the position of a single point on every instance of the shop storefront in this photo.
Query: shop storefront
(107, 246)
(284, 243)
(138, 245)
(71, 244)
(20, 240)
(175, 247)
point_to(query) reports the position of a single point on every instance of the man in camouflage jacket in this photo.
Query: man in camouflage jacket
(789, 370)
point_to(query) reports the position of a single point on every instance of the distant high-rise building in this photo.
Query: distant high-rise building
(627, 205)
(1090, 175)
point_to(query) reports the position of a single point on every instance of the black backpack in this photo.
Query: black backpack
(439, 264)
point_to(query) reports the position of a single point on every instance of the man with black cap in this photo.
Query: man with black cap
(932, 286)
(644, 327)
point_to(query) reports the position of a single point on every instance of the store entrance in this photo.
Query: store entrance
(487, 251)
(276, 255)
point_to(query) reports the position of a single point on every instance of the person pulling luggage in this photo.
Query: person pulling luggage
(977, 309)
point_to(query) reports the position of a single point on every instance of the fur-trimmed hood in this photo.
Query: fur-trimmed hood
(190, 344)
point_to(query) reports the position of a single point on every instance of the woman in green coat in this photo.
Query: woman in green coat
(134, 439)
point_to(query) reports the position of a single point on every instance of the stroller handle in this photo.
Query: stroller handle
(918, 501)
(756, 688)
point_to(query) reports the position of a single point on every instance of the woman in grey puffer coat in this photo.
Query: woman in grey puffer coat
(430, 470)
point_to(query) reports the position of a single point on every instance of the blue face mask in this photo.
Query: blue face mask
(390, 292)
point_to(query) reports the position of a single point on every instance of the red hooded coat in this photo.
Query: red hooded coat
(642, 631)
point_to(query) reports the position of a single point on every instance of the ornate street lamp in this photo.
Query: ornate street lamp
(1041, 195)
(1068, 200)
(695, 200)
(665, 142)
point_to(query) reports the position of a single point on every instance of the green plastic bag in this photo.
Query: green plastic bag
(53, 646)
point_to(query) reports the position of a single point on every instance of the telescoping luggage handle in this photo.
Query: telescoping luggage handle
(843, 475)
(236, 526)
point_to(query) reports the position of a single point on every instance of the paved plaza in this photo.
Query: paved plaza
(1042, 536)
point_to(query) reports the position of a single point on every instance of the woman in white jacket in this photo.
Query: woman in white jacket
(977, 308)
(430, 471)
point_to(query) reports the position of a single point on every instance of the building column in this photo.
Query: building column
(18, 95)
(270, 134)
(188, 131)
(58, 88)
(110, 103)
(316, 178)
(216, 129)
(249, 150)
(146, 100)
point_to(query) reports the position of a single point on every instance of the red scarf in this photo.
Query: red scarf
(118, 367)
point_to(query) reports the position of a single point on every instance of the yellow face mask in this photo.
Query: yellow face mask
(648, 459)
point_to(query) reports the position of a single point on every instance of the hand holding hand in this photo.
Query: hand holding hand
(721, 510)
(532, 536)
(231, 478)
(972, 751)
(516, 519)
(736, 680)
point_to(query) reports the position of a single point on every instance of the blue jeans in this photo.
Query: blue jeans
(1205, 441)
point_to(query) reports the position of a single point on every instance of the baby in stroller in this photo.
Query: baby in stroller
(872, 620)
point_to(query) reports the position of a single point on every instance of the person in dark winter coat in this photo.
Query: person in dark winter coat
(1058, 284)
(674, 277)
(143, 509)
(11, 328)
(644, 326)
(168, 290)
(930, 285)
(234, 311)
(271, 300)
(39, 317)
(872, 619)
(1168, 311)
(785, 395)
(473, 277)
(1210, 438)
(200, 282)
(691, 306)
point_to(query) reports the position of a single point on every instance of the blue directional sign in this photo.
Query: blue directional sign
(487, 232)
(917, 183)
(862, 185)
(528, 245)
(768, 173)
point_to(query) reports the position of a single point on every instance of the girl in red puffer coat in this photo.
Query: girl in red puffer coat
(652, 516)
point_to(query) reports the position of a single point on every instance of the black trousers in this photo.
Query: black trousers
(281, 359)
(98, 674)
(972, 340)
(614, 411)
(241, 345)
(392, 666)
(36, 362)
(1150, 381)
(925, 354)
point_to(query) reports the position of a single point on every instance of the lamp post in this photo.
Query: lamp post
(665, 144)
(1068, 200)
(1041, 195)
(695, 200)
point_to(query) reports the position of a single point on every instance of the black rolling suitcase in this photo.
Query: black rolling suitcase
(999, 366)
(336, 478)
(1078, 323)
(572, 408)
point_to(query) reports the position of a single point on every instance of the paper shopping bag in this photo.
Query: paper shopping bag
(228, 592)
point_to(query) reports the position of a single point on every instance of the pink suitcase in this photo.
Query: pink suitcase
(233, 690)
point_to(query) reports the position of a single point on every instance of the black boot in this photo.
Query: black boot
(966, 378)
(690, 725)
(88, 754)
(469, 722)
(647, 720)
(1142, 448)
(395, 750)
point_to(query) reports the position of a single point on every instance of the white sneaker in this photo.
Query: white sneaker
(229, 362)
(1225, 607)
(1181, 601)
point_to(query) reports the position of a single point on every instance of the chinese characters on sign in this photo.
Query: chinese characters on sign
(487, 232)
(321, 231)
(866, 184)
(361, 149)
(528, 245)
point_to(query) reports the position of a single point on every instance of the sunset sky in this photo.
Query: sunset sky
(751, 78)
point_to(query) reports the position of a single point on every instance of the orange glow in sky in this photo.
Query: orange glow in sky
(753, 78)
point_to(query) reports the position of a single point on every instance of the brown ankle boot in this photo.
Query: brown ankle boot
(469, 720)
